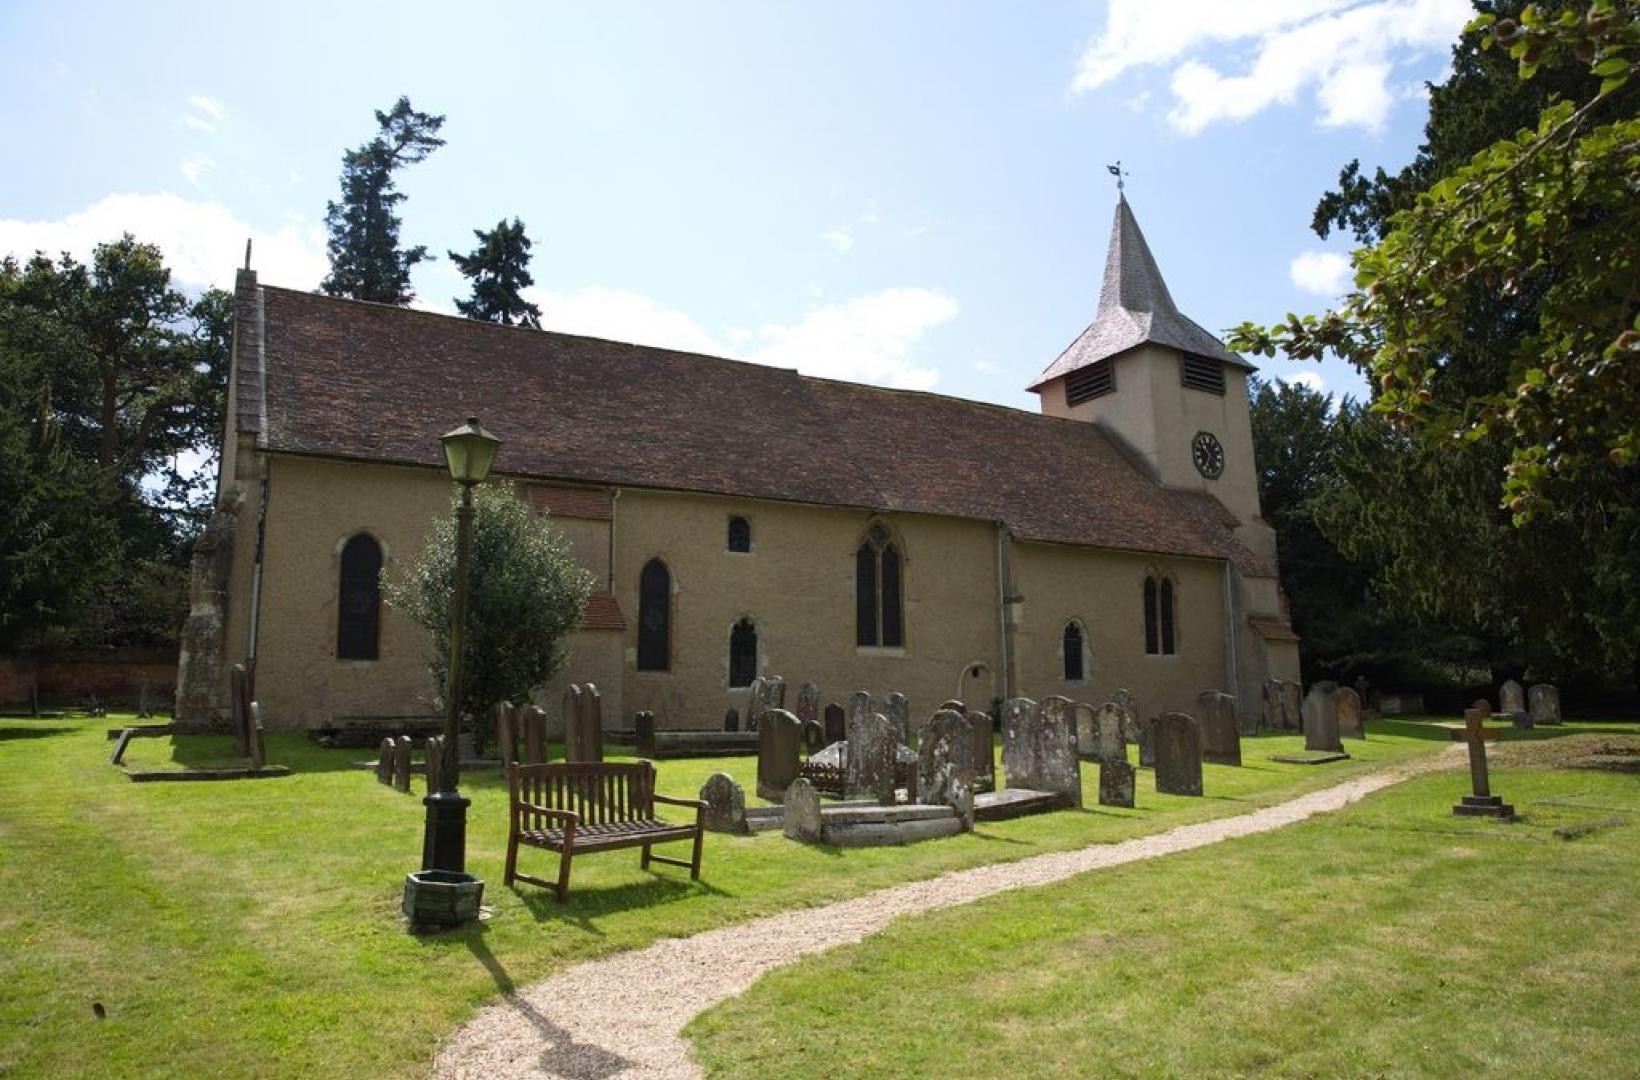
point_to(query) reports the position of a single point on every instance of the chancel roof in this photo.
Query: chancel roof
(347, 379)
(1134, 308)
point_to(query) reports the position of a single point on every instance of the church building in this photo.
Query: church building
(743, 519)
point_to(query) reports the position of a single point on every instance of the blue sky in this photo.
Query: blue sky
(912, 194)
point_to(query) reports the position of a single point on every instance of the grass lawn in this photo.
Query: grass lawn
(1388, 939)
(252, 927)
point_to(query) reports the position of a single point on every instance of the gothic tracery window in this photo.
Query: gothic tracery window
(1159, 616)
(879, 594)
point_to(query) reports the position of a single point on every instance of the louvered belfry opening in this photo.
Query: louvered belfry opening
(1202, 373)
(1085, 384)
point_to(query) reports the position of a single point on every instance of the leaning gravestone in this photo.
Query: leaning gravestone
(779, 739)
(1511, 699)
(1545, 700)
(872, 752)
(1178, 754)
(984, 757)
(725, 804)
(401, 764)
(1115, 774)
(384, 763)
(808, 703)
(1347, 704)
(1039, 748)
(945, 763)
(835, 724)
(1321, 722)
(898, 709)
(1221, 736)
(803, 820)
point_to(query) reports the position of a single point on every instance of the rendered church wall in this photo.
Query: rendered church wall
(1103, 590)
(797, 585)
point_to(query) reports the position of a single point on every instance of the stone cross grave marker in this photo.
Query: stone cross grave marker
(725, 803)
(1039, 747)
(1545, 705)
(1347, 707)
(779, 739)
(1178, 754)
(1321, 722)
(1221, 735)
(1482, 803)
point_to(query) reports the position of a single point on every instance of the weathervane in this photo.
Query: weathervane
(1117, 171)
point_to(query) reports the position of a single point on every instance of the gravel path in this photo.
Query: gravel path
(621, 1016)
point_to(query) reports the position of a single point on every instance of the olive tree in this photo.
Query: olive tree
(525, 596)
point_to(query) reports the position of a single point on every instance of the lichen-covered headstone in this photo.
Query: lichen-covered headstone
(768, 692)
(1131, 726)
(984, 755)
(1087, 731)
(1347, 704)
(779, 740)
(725, 803)
(1039, 748)
(1321, 722)
(1116, 787)
(835, 724)
(808, 703)
(803, 821)
(1178, 754)
(1511, 699)
(945, 760)
(898, 710)
(1545, 701)
(1221, 736)
(401, 763)
(871, 758)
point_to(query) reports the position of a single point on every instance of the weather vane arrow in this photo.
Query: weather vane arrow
(1117, 171)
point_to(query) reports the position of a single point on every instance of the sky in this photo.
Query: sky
(912, 194)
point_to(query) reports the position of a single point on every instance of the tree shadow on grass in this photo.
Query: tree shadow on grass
(10, 732)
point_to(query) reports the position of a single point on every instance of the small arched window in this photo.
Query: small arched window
(1076, 668)
(655, 617)
(1159, 635)
(359, 601)
(742, 653)
(879, 612)
(740, 534)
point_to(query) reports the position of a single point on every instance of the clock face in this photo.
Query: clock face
(1208, 455)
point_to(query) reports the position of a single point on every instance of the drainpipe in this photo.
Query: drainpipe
(1002, 614)
(614, 505)
(1230, 628)
(256, 569)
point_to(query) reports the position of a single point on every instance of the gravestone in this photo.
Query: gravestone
(644, 724)
(725, 804)
(533, 720)
(401, 763)
(1087, 731)
(572, 722)
(237, 701)
(1347, 705)
(1482, 803)
(1178, 754)
(1545, 705)
(434, 757)
(1270, 694)
(803, 821)
(1116, 775)
(1039, 748)
(1147, 743)
(731, 719)
(584, 740)
(779, 737)
(145, 711)
(945, 764)
(1321, 722)
(258, 749)
(384, 763)
(768, 692)
(871, 758)
(1394, 704)
(898, 710)
(1511, 699)
(506, 734)
(983, 755)
(860, 706)
(807, 708)
(814, 736)
(835, 724)
(954, 705)
(1221, 735)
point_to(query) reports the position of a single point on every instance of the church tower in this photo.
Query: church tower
(1166, 389)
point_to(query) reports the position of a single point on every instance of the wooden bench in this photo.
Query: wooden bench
(575, 807)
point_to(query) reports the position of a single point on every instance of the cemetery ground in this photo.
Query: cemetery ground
(252, 927)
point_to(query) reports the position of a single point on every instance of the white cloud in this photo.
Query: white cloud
(207, 105)
(841, 238)
(194, 168)
(865, 339)
(203, 242)
(203, 114)
(1344, 50)
(1325, 273)
(1310, 379)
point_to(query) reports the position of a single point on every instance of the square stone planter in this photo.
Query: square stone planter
(441, 898)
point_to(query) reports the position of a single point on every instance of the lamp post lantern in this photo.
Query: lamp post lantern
(469, 451)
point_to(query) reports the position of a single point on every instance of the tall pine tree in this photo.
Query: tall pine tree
(365, 260)
(499, 269)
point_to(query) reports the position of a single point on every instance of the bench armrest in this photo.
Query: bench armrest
(546, 811)
(698, 804)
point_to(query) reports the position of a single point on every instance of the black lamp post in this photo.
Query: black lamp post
(469, 451)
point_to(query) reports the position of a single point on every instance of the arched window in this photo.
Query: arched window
(359, 602)
(879, 613)
(1159, 636)
(655, 617)
(740, 534)
(1076, 668)
(742, 653)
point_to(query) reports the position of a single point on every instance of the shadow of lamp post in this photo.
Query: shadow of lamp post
(443, 893)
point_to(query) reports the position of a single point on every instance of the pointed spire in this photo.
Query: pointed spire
(1134, 308)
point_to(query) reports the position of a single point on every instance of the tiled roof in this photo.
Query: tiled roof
(573, 502)
(1272, 629)
(1134, 308)
(373, 382)
(601, 612)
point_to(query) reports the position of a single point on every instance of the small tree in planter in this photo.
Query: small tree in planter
(525, 595)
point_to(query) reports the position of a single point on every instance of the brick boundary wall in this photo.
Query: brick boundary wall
(74, 678)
